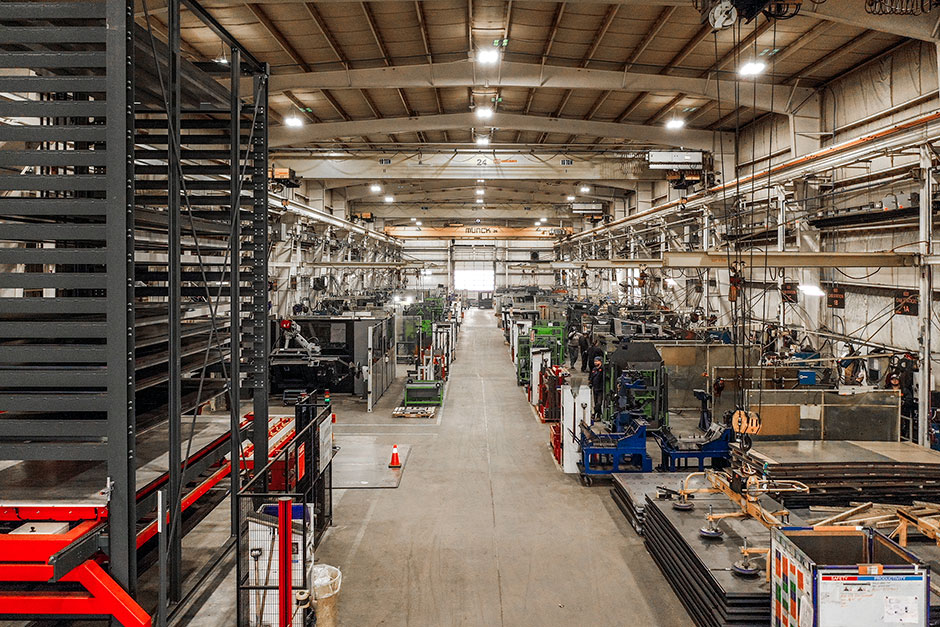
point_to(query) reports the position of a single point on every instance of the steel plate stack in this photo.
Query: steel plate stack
(840, 471)
(699, 569)
(630, 491)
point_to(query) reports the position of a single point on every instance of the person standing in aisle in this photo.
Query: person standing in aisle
(584, 344)
(595, 351)
(574, 346)
(597, 386)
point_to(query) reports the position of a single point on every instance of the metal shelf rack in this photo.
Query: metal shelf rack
(133, 290)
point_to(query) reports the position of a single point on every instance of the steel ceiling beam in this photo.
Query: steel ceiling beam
(679, 57)
(506, 166)
(658, 24)
(689, 138)
(851, 12)
(467, 73)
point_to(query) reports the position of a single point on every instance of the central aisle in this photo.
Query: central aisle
(484, 529)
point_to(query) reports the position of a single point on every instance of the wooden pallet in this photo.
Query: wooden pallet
(413, 412)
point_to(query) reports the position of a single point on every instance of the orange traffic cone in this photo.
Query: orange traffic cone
(395, 463)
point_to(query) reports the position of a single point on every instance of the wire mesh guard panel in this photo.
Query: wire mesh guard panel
(264, 561)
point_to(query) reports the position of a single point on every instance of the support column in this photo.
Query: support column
(925, 380)
(174, 306)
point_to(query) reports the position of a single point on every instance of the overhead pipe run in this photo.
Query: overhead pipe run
(325, 218)
(909, 133)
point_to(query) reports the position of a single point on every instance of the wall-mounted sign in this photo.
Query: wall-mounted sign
(477, 232)
(906, 303)
(788, 292)
(835, 298)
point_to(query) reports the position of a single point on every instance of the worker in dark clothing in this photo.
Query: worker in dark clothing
(597, 386)
(585, 346)
(595, 351)
(574, 346)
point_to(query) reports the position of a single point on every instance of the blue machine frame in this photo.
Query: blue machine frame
(613, 450)
(715, 449)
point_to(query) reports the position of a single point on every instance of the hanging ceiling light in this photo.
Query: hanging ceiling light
(389, 199)
(479, 201)
(480, 192)
(484, 113)
(752, 68)
(483, 140)
(376, 188)
(570, 198)
(487, 56)
(418, 223)
(675, 123)
(221, 59)
(585, 189)
(293, 120)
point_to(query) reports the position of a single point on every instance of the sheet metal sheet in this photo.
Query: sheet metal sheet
(362, 462)
(63, 483)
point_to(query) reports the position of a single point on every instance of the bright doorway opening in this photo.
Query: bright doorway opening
(475, 280)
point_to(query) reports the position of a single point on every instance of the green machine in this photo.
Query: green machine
(418, 392)
(643, 359)
(549, 335)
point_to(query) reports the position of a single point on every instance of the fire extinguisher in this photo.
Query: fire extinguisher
(736, 281)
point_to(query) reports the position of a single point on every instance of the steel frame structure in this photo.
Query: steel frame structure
(133, 292)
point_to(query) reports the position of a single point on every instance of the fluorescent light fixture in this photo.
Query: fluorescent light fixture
(414, 219)
(671, 282)
(752, 68)
(418, 223)
(481, 180)
(483, 140)
(484, 113)
(480, 192)
(570, 198)
(376, 188)
(675, 123)
(479, 201)
(487, 56)
(293, 120)
(811, 290)
(389, 199)
(585, 189)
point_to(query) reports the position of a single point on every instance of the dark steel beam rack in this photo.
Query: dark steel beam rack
(133, 259)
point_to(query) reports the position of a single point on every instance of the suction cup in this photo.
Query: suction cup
(711, 533)
(745, 568)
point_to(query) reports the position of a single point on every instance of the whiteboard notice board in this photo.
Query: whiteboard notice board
(848, 599)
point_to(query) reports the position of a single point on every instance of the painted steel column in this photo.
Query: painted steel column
(284, 585)
(235, 282)
(174, 305)
(259, 273)
(926, 295)
(706, 272)
(122, 507)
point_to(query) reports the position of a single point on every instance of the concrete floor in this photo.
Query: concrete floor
(484, 529)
